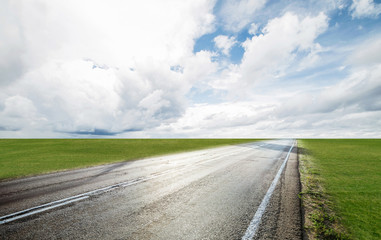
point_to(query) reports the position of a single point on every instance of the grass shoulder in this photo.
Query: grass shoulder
(320, 221)
(341, 188)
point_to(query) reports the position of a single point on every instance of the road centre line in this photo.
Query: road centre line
(24, 213)
(44, 207)
(51, 205)
(254, 224)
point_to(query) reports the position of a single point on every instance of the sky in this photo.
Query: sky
(190, 69)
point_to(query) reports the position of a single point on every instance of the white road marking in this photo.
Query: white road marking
(254, 224)
(45, 207)
(38, 210)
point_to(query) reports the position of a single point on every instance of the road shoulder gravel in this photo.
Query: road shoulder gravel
(282, 218)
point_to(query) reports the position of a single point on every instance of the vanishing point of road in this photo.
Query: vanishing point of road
(220, 193)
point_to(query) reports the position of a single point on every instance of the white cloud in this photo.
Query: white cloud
(199, 67)
(224, 43)
(11, 44)
(126, 68)
(272, 52)
(257, 120)
(236, 14)
(17, 111)
(212, 120)
(360, 92)
(365, 8)
(88, 66)
(253, 29)
(269, 55)
(367, 53)
(351, 108)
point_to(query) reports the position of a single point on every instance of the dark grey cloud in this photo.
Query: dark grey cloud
(4, 128)
(102, 132)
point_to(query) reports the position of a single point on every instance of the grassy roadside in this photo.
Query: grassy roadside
(23, 157)
(341, 188)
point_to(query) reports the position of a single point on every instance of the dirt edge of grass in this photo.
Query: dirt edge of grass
(318, 217)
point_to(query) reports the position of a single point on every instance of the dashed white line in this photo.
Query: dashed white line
(23, 214)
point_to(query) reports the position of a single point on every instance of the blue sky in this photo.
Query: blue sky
(249, 68)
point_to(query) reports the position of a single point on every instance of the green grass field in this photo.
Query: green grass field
(23, 157)
(350, 174)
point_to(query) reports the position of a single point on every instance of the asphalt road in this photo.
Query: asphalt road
(207, 194)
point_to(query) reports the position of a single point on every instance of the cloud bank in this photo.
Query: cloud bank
(83, 66)
(130, 69)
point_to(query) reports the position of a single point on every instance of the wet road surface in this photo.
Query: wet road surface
(207, 194)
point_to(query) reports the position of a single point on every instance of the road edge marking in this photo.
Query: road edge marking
(254, 224)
